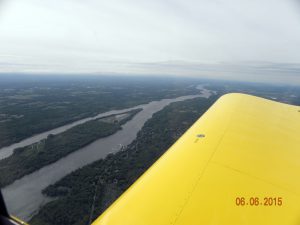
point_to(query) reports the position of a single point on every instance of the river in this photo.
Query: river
(24, 197)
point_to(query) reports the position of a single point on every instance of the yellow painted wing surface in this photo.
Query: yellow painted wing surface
(245, 170)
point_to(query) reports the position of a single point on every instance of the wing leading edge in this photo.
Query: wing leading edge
(238, 164)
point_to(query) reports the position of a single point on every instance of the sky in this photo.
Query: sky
(255, 40)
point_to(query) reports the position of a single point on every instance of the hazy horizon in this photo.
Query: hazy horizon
(229, 40)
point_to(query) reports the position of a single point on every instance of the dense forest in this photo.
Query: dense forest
(108, 178)
(282, 93)
(33, 104)
(27, 159)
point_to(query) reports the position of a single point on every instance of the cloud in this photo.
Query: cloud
(205, 38)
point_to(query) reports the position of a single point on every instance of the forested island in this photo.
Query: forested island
(110, 177)
(28, 159)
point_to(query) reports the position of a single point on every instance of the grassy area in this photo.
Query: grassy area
(33, 157)
(108, 178)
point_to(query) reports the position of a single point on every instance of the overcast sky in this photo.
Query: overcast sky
(255, 40)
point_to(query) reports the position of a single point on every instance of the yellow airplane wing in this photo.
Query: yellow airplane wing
(238, 164)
